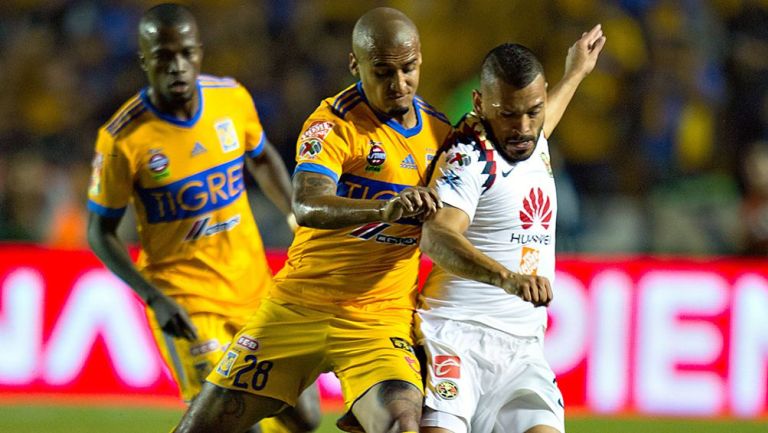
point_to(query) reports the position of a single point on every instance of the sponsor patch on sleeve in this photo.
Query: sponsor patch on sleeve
(311, 140)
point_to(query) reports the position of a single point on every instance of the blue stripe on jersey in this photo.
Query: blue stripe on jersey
(167, 117)
(136, 112)
(195, 195)
(105, 211)
(311, 167)
(344, 97)
(431, 110)
(407, 133)
(259, 147)
(119, 116)
(358, 187)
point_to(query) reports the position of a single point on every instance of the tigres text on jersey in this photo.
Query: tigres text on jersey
(198, 237)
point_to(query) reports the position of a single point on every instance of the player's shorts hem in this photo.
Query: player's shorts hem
(283, 399)
(434, 418)
(418, 386)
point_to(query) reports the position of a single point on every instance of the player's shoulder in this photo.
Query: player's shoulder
(207, 81)
(432, 114)
(126, 116)
(344, 105)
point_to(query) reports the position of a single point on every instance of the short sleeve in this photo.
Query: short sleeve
(255, 138)
(457, 178)
(111, 183)
(322, 148)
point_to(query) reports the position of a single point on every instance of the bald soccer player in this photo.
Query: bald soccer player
(177, 150)
(345, 300)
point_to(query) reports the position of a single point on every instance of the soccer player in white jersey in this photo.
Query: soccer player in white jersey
(482, 315)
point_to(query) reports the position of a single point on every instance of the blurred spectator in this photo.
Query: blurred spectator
(754, 216)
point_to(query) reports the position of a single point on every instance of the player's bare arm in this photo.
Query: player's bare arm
(580, 61)
(103, 239)
(443, 240)
(269, 171)
(316, 204)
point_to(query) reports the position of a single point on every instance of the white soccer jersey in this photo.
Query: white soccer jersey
(512, 210)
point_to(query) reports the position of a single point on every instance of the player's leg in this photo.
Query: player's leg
(224, 410)
(537, 404)
(390, 406)
(379, 373)
(305, 417)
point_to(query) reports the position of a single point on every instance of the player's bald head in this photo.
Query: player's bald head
(163, 17)
(383, 28)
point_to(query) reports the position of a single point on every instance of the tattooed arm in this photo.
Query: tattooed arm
(316, 204)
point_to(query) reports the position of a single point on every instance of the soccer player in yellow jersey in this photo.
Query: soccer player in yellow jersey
(177, 150)
(345, 300)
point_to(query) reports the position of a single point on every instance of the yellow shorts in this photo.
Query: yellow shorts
(284, 347)
(191, 362)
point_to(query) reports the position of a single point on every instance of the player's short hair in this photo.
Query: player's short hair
(514, 64)
(167, 15)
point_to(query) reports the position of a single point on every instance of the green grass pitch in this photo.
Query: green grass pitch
(83, 419)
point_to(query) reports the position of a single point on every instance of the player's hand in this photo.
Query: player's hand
(530, 288)
(415, 201)
(172, 318)
(582, 56)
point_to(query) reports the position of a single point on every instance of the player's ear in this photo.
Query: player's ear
(353, 66)
(477, 102)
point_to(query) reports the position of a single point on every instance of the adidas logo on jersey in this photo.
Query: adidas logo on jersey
(409, 162)
(198, 149)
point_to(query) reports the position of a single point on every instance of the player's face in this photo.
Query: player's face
(390, 77)
(515, 116)
(171, 57)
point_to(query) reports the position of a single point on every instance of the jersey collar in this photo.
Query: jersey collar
(392, 123)
(172, 119)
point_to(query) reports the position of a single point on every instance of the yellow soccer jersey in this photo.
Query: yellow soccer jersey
(199, 242)
(370, 157)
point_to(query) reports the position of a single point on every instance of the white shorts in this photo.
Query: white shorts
(482, 380)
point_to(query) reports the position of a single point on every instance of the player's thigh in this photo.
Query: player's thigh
(277, 354)
(454, 377)
(306, 416)
(190, 362)
(393, 405)
(225, 410)
(379, 372)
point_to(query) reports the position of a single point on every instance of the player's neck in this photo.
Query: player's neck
(407, 120)
(183, 111)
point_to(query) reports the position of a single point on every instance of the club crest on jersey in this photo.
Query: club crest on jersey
(226, 363)
(545, 159)
(310, 148)
(376, 156)
(225, 130)
(158, 166)
(536, 209)
(447, 366)
(447, 390)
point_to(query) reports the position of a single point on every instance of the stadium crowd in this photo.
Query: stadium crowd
(664, 149)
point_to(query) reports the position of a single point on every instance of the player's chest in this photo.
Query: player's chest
(167, 154)
(523, 194)
(390, 158)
